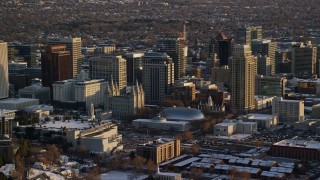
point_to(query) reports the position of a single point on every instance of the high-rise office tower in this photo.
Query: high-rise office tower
(4, 80)
(175, 45)
(242, 66)
(26, 53)
(158, 76)
(222, 47)
(74, 46)
(304, 61)
(109, 68)
(265, 47)
(263, 65)
(244, 35)
(134, 67)
(55, 64)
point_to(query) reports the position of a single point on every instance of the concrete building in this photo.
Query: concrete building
(134, 67)
(109, 68)
(56, 64)
(266, 50)
(230, 127)
(244, 35)
(184, 91)
(19, 81)
(6, 147)
(74, 47)
(158, 76)
(243, 72)
(36, 91)
(4, 80)
(160, 150)
(80, 91)
(264, 121)
(124, 104)
(270, 85)
(103, 138)
(316, 111)
(304, 61)
(175, 45)
(162, 123)
(17, 103)
(296, 149)
(288, 111)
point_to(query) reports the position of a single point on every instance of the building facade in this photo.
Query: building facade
(288, 111)
(158, 76)
(175, 45)
(36, 91)
(73, 45)
(246, 34)
(304, 60)
(6, 147)
(55, 64)
(160, 150)
(243, 71)
(265, 48)
(109, 68)
(134, 67)
(124, 104)
(185, 92)
(270, 85)
(4, 80)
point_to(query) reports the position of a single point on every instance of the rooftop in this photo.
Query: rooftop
(17, 100)
(298, 144)
(182, 114)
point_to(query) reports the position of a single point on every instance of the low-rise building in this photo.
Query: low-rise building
(296, 149)
(263, 121)
(159, 122)
(103, 138)
(160, 150)
(36, 91)
(230, 127)
(307, 125)
(18, 103)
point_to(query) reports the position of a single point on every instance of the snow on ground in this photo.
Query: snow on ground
(232, 137)
(72, 124)
(33, 173)
(120, 175)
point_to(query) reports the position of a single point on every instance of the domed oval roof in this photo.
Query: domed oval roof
(182, 114)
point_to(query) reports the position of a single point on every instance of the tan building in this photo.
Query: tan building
(74, 46)
(288, 111)
(109, 68)
(124, 104)
(4, 80)
(185, 91)
(243, 65)
(160, 150)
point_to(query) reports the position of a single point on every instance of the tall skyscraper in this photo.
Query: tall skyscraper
(134, 67)
(175, 45)
(304, 61)
(4, 80)
(244, 35)
(158, 76)
(109, 68)
(265, 47)
(74, 46)
(243, 70)
(222, 46)
(55, 64)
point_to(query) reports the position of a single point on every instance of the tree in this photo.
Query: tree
(138, 163)
(187, 136)
(132, 155)
(151, 166)
(196, 173)
(195, 149)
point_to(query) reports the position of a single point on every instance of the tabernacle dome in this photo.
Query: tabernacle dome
(182, 114)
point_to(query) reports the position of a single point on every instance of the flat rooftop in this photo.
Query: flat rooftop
(260, 116)
(17, 100)
(299, 144)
